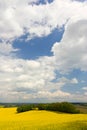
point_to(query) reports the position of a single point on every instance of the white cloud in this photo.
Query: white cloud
(71, 52)
(74, 81)
(78, 97)
(84, 88)
(18, 74)
(57, 94)
(68, 81)
(16, 17)
(6, 48)
(32, 79)
(28, 77)
(85, 93)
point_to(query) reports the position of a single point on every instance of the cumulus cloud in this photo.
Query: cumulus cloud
(71, 52)
(31, 78)
(19, 18)
(23, 74)
(84, 88)
(7, 48)
(68, 81)
(57, 94)
(78, 97)
(34, 79)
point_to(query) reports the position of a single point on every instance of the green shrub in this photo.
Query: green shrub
(24, 108)
(67, 107)
(41, 106)
(61, 107)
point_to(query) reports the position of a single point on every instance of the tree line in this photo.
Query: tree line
(61, 107)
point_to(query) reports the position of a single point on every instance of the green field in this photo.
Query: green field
(82, 108)
(41, 120)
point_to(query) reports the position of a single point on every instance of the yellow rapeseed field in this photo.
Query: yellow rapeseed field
(41, 120)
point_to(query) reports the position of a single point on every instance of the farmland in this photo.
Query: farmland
(41, 120)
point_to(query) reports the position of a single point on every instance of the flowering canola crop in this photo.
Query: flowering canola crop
(41, 120)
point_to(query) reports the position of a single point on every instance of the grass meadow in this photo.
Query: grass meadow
(41, 120)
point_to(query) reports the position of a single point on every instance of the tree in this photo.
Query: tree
(24, 108)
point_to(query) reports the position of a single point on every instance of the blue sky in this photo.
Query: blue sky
(39, 46)
(43, 51)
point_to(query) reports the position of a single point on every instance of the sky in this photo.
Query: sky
(43, 51)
